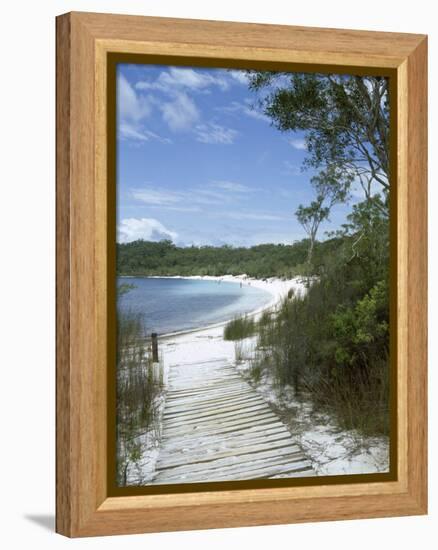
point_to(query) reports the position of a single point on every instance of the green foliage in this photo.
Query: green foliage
(239, 328)
(164, 258)
(312, 215)
(360, 328)
(333, 344)
(345, 119)
(331, 187)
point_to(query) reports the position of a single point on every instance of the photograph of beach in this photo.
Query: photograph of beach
(252, 275)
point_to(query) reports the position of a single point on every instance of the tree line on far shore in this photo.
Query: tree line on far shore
(145, 258)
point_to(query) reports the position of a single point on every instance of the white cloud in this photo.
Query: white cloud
(246, 108)
(239, 76)
(183, 201)
(149, 229)
(130, 105)
(128, 130)
(132, 110)
(184, 77)
(178, 108)
(232, 186)
(181, 113)
(191, 199)
(215, 134)
(298, 143)
(183, 208)
(258, 216)
(157, 197)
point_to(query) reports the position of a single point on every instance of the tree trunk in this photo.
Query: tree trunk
(310, 251)
(310, 256)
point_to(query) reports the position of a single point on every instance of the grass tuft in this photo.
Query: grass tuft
(139, 383)
(240, 328)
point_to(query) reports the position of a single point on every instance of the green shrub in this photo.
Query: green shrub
(239, 328)
(332, 344)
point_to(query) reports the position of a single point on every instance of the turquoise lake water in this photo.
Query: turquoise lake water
(171, 305)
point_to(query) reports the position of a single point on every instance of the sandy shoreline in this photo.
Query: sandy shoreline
(277, 288)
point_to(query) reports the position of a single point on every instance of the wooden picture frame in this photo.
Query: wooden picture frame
(84, 222)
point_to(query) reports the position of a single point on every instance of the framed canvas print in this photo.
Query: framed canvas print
(241, 274)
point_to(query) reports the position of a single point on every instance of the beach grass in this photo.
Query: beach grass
(139, 384)
(336, 356)
(239, 328)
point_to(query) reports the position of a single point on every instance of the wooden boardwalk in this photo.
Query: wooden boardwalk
(216, 427)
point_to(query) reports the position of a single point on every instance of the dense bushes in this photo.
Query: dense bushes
(333, 343)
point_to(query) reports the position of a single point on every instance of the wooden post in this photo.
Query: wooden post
(154, 347)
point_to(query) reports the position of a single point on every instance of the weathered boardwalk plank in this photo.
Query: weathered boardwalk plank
(217, 428)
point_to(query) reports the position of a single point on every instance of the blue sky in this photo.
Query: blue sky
(198, 163)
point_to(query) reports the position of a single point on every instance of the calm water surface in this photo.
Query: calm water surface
(170, 305)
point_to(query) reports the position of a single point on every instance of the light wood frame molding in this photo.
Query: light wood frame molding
(83, 41)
